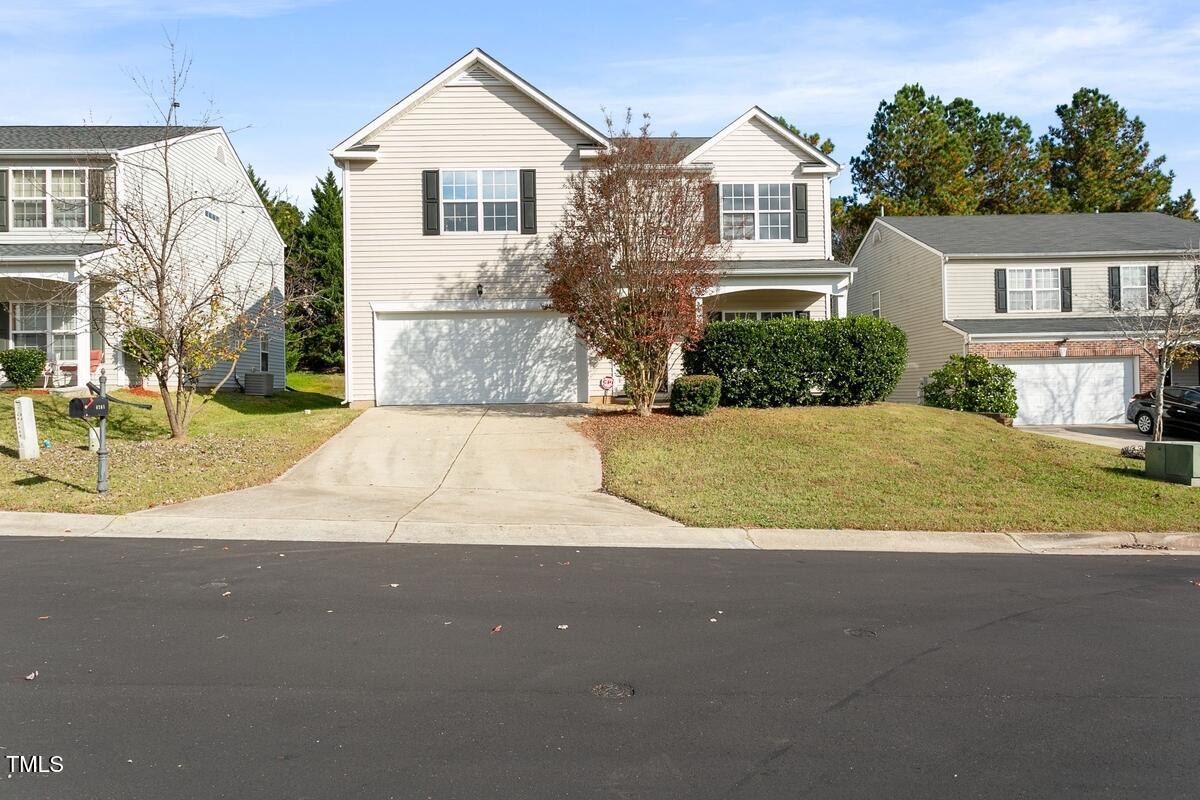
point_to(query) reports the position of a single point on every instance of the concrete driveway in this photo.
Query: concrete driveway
(1117, 436)
(509, 465)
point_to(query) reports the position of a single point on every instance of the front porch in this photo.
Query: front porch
(59, 314)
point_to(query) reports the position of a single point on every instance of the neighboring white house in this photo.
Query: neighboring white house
(56, 234)
(1032, 291)
(449, 196)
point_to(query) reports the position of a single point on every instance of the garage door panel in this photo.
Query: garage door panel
(1068, 391)
(475, 358)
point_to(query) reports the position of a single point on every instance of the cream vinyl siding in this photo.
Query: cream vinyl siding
(971, 288)
(755, 154)
(197, 172)
(456, 127)
(908, 279)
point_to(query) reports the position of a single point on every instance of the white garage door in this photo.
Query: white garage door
(1066, 391)
(475, 358)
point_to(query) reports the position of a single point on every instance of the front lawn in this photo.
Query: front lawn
(886, 466)
(236, 441)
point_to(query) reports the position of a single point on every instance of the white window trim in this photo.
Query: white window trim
(789, 212)
(48, 200)
(1145, 287)
(479, 201)
(798, 313)
(264, 352)
(1008, 290)
(876, 305)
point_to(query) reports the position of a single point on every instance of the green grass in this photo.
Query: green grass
(881, 467)
(236, 441)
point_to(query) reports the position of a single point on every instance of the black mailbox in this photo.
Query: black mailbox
(88, 407)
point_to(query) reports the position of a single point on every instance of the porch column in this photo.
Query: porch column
(83, 331)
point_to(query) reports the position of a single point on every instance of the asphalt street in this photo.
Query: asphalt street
(183, 669)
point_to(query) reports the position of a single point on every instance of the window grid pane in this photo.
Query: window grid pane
(29, 214)
(773, 225)
(1021, 300)
(1046, 278)
(64, 347)
(775, 197)
(1133, 277)
(29, 317)
(70, 213)
(499, 216)
(68, 183)
(1133, 299)
(458, 184)
(737, 197)
(29, 183)
(737, 226)
(500, 184)
(37, 340)
(62, 318)
(458, 217)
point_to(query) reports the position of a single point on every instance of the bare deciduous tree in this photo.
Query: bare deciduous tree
(634, 252)
(1166, 326)
(190, 279)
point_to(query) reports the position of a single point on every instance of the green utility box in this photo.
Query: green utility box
(1176, 462)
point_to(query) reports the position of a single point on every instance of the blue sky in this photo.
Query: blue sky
(291, 78)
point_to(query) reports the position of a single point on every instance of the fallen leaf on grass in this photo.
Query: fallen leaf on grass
(226, 594)
(497, 629)
(32, 676)
(562, 627)
(45, 617)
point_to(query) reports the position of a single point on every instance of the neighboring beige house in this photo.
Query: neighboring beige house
(1031, 291)
(450, 195)
(54, 237)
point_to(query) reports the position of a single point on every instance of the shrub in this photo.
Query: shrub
(972, 383)
(781, 362)
(760, 364)
(864, 359)
(23, 365)
(146, 348)
(695, 395)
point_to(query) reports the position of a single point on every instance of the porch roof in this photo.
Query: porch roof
(52, 251)
(786, 266)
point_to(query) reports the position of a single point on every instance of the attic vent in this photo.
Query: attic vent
(475, 76)
(877, 237)
(220, 154)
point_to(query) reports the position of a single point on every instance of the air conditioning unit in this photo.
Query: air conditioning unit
(260, 384)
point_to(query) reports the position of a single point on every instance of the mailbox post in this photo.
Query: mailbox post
(96, 407)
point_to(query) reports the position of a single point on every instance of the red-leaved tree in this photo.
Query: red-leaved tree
(635, 250)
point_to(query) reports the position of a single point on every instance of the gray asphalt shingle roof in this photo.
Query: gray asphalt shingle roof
(1043, 325)
(87, 137)
(686, 143)
(1051, 234)
(51, 252)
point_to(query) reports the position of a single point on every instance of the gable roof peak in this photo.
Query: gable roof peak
(476, 56)
(760, 114)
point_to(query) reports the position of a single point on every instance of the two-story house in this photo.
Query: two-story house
(449, 196)
(57, 184)
(1035, 292)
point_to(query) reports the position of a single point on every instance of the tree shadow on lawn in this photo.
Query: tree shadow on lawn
(283, 402)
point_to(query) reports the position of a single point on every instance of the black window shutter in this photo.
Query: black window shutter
(1001, 291)
(712, 212)
(430, 199)
(1114, 287)
(528, 201)
(799, 212)
(1064, 282)
(4, 328)
(3, 200)
(95, 190)
(1152, 286)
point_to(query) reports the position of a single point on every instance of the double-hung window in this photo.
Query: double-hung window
(1134, 288)
(756, 211)
(472, 195)
(50, 327)
(1032, 289)
(49, 198)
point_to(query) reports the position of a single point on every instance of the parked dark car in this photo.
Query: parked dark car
(1181, 410)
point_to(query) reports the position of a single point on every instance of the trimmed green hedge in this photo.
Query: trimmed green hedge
(695, 395)
(23, 365)
(972, 383)
(789, 362)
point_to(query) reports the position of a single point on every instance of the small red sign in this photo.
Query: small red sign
(606, 383)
